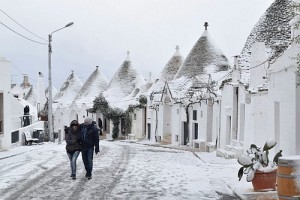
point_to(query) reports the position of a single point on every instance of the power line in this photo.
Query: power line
(22, 26)
(22, 35)
(21, 72)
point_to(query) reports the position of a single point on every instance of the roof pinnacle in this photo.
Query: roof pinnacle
(128, 58)
(206, 25)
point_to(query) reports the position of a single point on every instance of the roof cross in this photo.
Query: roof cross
(205, 25)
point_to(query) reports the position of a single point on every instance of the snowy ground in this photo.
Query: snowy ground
(121, 171)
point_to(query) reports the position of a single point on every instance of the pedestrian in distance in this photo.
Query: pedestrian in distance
(100, 125)
(89, 144)
(73, 146)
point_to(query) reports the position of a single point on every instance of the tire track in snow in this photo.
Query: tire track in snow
(26, 185)
(105, 178)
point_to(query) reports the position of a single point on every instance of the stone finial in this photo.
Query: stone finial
(97, 67)
(128, 58)
(206, 25)
(177, 48)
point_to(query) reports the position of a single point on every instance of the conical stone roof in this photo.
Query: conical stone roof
(172, 67)
(273, 29)
(94, 85)
(204, 58)
(68, 90)
(126, 78)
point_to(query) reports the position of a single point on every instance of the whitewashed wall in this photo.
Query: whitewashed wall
(226, 112)
(176, 124)
(258, 120)
(5, 138)
(216, 121)
(284, 98)
(17, 110)
(160, 117)
(138, 124)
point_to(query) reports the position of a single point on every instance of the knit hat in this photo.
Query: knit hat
(74, 123)
(88, 120)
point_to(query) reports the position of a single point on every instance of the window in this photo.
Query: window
(134, 116)
(194, 114)
(177, 111)
(201, 114)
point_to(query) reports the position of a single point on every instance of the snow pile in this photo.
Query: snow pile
(272, 28)
(68, 90)
(94, 85)
(204, 58)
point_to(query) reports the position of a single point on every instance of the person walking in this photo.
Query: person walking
(89, 143)
(73, 146)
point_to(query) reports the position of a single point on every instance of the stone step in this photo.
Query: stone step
(226, 154)
(238, 150)
(167, 139)
(210, 146)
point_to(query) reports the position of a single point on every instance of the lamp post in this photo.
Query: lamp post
(50, 120)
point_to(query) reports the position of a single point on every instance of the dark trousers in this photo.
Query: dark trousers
(87, 158)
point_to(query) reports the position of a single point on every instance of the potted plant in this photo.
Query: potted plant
(259, 169)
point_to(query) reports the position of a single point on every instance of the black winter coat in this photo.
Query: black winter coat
(72, 140)
(89, 136)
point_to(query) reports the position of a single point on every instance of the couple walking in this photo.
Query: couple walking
(82, 138)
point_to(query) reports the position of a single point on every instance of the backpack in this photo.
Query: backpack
(84, 135)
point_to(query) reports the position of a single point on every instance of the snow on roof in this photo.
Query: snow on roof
(172, 67)
(54, 91)
(272, 28)
(205, 57)
(123, 84)
(127, 78)
(20, 90)
(91, 89)
(31, 96)
(68, 90)
(180, 86)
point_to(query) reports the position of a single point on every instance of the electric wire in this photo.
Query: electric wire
(21, 72)
(22, 35)
(22, 26)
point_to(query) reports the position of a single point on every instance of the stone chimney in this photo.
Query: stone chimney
(236, 70)
(41, 97)
(26, 81)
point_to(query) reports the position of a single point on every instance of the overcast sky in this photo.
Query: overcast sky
(104, 30)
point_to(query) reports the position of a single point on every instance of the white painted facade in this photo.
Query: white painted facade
(5, 104)
(285, 101)
(138, 126)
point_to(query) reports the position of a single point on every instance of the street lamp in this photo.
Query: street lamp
(50, 120)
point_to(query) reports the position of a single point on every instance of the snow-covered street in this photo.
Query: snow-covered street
(121, 171)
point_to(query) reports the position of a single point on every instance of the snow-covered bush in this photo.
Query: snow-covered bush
(257, 159)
